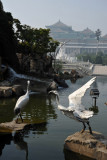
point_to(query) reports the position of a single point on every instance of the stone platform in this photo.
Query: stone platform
(9, 127)
(8, 91)
(93, 146)
(12, 126)
(99, 70)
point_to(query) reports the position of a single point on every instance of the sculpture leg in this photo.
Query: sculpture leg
(83, 128)
(89, 128)
(17, 118)
(21, 117)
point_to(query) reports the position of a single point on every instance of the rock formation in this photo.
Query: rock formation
(93, 146)
(8, 90)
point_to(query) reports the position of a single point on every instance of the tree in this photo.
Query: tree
(7, 38)
(33, 40)
(98, 34)
(104, 59)
(1, 6)
(98, 59)
(58, 67)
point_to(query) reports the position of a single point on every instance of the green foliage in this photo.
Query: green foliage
(1, 6)
(58, 66)
(98, 34)
(7, 38)
(104, 60)
(100, 58)
(18, 38)
(33, 40)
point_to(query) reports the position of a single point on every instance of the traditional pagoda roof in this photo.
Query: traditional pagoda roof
(87, 31)
(60, 31)
(60, 26)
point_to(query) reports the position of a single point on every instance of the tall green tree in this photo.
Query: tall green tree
(7, 38)
(34, 41)
(1, 6)
(98, 34)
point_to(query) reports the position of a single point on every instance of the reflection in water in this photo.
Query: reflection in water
(69, 155)
(39, 110)
(20, 143)
(73, 80)
(39, 128)
(49, 143)
(6, 109)
(95, 84)
(94, 109)
(18, 137)
(4, 140)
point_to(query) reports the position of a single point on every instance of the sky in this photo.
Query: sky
(79, 14)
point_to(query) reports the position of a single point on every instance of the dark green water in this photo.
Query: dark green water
(45, 140)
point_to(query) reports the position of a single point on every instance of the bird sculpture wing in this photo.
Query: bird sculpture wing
(85, 114)
(22, 101)
(76, 96)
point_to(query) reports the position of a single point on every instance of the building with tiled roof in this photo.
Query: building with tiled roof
(79, 41)
(61, 31)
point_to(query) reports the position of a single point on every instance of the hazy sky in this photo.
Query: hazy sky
(79, 14)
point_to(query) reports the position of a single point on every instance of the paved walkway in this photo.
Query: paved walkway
(86, 68)
(83, 68)
(100, 70)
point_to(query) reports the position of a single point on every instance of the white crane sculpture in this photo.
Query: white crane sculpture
(76, 110)
(21, 103)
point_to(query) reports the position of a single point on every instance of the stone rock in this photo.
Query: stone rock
(8, 91)
(12, 126)
(93, 146)
(5, 91)
(17, 90)
(61, 82)
(9, 127)
(5, 83)
(52, 86)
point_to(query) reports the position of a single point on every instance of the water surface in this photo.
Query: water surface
(45, 140)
